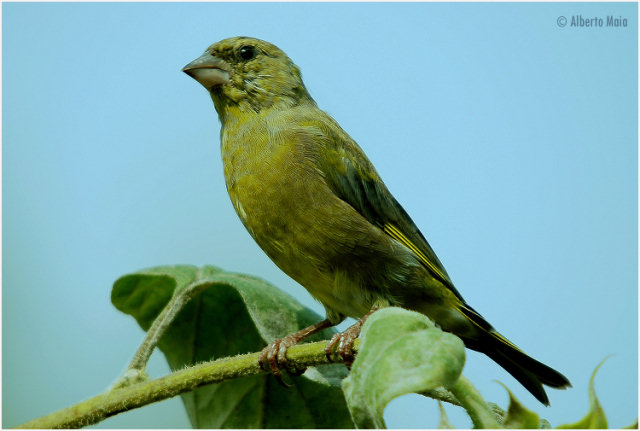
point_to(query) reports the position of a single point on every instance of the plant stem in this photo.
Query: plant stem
(477, 408)
(137, 395)
(161, 323)
(122, 399)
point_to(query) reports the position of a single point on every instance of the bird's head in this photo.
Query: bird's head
(248, 74)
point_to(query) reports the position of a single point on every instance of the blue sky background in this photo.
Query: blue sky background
(511, 141)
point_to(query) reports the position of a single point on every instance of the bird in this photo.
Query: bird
(313, 201)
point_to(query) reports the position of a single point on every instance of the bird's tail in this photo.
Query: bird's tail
(531, 373)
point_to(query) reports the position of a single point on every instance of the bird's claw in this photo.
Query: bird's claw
(274, 358)
(344, 341)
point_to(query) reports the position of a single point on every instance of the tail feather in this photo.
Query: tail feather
(531, 373)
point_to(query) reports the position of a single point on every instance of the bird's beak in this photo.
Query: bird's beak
(208, 70)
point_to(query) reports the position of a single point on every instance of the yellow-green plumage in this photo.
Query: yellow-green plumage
(315, 204)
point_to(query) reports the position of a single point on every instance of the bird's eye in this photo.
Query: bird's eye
(247, 52)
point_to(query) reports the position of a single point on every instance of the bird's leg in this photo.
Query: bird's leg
(275, 353)
(345, 340)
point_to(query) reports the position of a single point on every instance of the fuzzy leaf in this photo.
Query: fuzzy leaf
(519, 417)
(595, 418)
(234, 314)
(481, 413)
(402, 352)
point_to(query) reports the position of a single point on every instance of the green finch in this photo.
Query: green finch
(312, 200)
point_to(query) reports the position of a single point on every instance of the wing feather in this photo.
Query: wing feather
(352, 177)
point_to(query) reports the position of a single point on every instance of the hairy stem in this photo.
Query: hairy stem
(470, 399)
(161, 323)
(126, 398)
(122, 399)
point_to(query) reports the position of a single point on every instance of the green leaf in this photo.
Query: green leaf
(402, 352)
(595, 418)
(544, 424)
(498, 413)
(233, 314)
(519, 417)
(482, 414)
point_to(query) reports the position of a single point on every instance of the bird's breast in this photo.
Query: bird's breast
(272, 190)
(315, 237)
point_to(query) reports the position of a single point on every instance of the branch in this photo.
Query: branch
(120, 400)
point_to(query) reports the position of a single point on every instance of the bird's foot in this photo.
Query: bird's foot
(344, 341)
(274, 357)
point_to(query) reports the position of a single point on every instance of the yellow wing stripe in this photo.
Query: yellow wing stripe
(469, 314)
(395, 233)
(502, 339)
(399, 236)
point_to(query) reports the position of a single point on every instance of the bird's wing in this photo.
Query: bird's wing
(352, 177)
